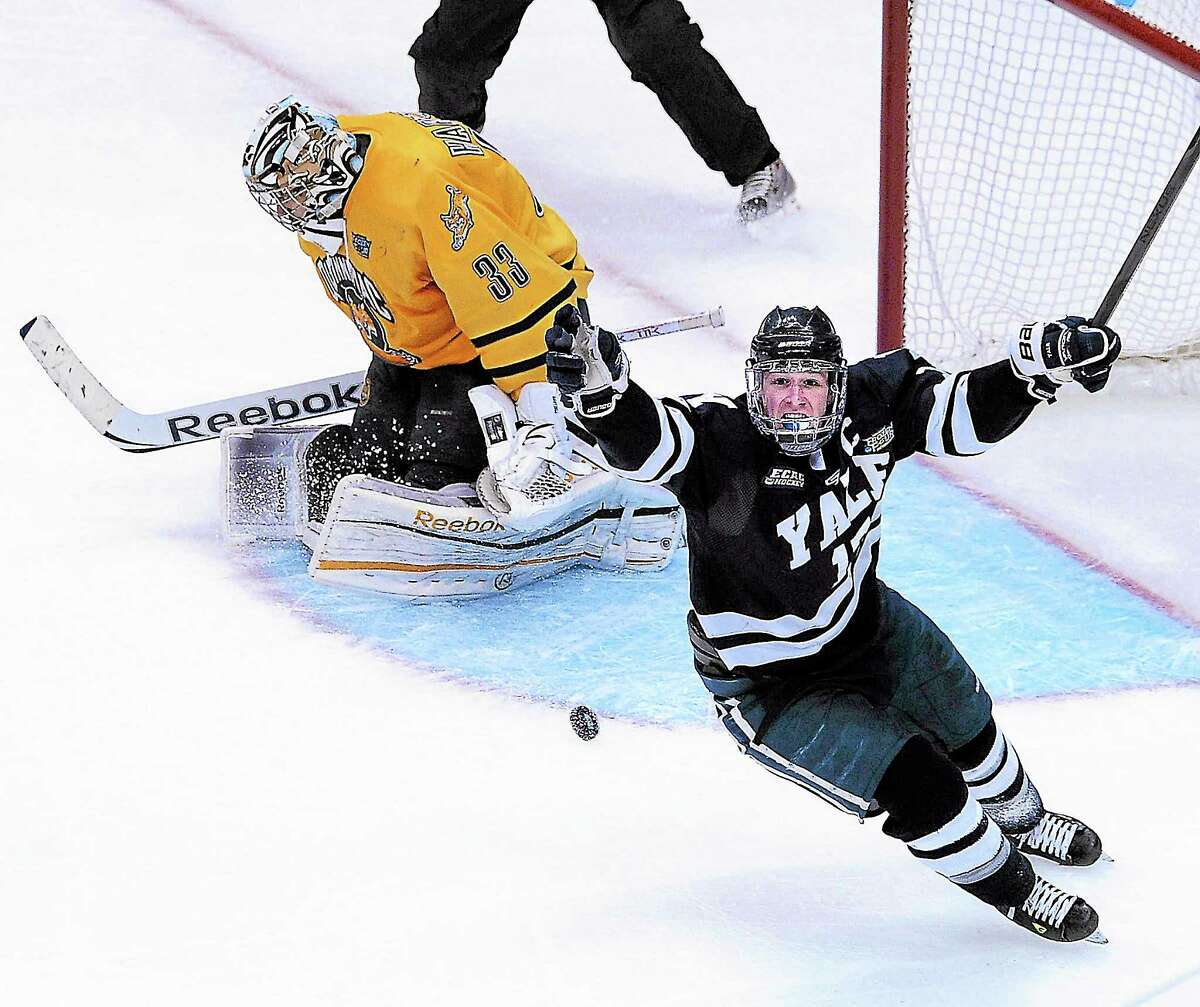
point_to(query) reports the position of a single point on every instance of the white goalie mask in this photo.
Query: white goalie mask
(299, 164)
(802, 342)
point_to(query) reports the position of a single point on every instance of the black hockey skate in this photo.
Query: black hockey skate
(1051, 913)
(1062, 839)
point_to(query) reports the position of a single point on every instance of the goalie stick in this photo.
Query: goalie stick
(141, 432)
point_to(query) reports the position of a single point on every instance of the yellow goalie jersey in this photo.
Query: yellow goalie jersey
(447, 254)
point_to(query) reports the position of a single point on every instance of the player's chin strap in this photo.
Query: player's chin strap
(534, 471)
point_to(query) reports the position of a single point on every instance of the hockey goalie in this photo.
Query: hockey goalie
(459, 474)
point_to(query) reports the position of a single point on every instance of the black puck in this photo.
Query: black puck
(584, 723)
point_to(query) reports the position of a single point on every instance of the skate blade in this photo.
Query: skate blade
(1096, 938)
(764, 225)
(1106, 859)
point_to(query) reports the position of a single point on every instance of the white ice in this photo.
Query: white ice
(204, 799)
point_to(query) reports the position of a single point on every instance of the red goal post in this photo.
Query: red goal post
(1023, 143)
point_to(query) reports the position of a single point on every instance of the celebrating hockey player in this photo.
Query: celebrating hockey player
(433, 244)
(820, 671)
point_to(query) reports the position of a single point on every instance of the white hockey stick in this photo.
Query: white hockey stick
(141, 432)
(714, 318)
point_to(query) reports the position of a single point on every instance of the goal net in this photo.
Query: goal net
(1024, 144)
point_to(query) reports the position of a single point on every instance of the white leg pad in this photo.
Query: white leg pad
(397, 539)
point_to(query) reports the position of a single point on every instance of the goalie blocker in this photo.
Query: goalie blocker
(397, 539)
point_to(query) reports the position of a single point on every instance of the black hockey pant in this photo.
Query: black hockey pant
(464, 42)
(411, 426)
(909, 733)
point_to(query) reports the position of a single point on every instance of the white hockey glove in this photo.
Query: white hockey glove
(587, 363)
(1071, 349)
(533, 473)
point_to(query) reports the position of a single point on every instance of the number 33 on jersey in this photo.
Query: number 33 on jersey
(446, 254)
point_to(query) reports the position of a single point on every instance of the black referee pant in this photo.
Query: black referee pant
(464, 42)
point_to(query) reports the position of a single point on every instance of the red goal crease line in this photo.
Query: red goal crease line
(1155, 600)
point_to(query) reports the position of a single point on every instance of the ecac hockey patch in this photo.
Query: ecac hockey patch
(784, 477)
(880, 439)
(362, 245)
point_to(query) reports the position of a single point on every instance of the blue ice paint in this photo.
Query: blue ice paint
(1032, 620)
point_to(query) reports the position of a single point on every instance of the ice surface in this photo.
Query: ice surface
(1031, 621)
(211, 795)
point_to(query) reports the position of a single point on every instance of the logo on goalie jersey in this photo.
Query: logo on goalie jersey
(362, 245)
(784, 477)
(458, 219)
(364, 303)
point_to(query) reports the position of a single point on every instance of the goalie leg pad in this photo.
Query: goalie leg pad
(644, 538)
(398, 539)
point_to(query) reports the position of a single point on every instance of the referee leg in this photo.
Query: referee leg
(458, 50)
(660, 44)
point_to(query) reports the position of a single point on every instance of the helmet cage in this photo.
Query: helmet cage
(299, 164)
(795, 433)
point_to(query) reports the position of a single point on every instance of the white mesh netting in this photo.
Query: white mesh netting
(1037, 146)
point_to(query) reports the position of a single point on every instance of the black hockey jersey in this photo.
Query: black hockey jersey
(782, 549)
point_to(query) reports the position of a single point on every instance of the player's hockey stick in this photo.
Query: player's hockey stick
(1153, 224)
(714, 318)
(141, 432)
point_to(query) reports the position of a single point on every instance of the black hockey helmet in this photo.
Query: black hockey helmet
(796, 340)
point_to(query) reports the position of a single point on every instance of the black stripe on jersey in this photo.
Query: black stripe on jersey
(957, 846)
(520, 366)
(726, 642)
(582, 433)
(511, 330)
(682, 405)
(676, 447)
(948, 419)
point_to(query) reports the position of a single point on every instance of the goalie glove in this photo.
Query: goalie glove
(533, 474)
(1071, 349)
(587, 363)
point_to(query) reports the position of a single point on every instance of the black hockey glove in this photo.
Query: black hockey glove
(585, 362)
(1071, 349)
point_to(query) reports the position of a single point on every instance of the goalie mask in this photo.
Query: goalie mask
(299, 164)
(796, 379)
